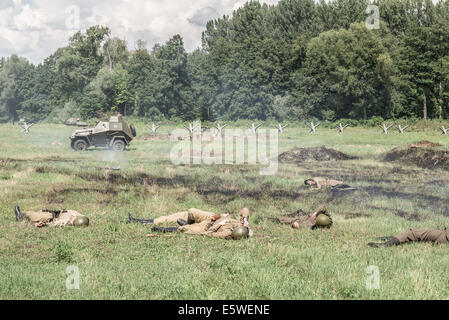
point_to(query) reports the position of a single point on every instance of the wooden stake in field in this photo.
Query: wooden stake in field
(254, 128)
(401, 129)
(219, 128)
(153, 127)
(26, 127)
(385, 128)
(313, 127)
(444, 130)
(281, 128)
(342, 128)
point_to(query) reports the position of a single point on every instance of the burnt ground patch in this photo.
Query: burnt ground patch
(423, 154)
(400, 213)
(404, 171)
(355, 215)
(365, 195)
(438, 205)
(57, 195)
(49, 159)
(425, 144)
(300, 155)
(213, 188)
(438, 183)
(14, 164)
(223, 195)
(217, 190)
(391, 193)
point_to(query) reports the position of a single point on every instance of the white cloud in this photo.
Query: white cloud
(36, 28)
(29, 19)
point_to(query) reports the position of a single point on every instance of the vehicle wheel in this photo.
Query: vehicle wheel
(79, 145)
(118, 145)
(133, 130)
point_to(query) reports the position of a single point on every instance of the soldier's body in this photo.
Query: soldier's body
(300, 219)
(317, 183)
(199, 222)
(424, 235)
(55, 218)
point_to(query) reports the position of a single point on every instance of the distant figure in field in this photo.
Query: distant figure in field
(423, 235)
(317, 183)
(299, 219)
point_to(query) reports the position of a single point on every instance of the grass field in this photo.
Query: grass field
(118, 261)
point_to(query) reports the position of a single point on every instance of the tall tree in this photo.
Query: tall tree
(347, 73)
(14, 78)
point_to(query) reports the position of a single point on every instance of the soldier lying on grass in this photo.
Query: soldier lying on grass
(424, 235)
(55, 218)
(299, 219)
(317, 183)
(198, 222)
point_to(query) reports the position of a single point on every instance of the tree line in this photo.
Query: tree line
(297, 60)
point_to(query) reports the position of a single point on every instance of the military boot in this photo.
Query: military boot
(131, 219)
(386, 238)
(164, 229)
(19, 215)
(392, 242)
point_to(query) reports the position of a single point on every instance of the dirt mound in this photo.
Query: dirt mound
(154, 137)
(313, 154)
(424, 154)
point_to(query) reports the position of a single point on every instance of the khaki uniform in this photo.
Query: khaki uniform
(320, 182)
(44, 218)
(205, 223)
(171, 218)
(302, 218)
(432, 235)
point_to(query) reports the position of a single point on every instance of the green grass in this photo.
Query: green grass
(118, 261)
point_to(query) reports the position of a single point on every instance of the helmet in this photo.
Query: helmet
(323, 221)
(240, 232)
(81, 221)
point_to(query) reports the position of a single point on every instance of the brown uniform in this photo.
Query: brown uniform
(302, 218)
(171, 218)
(320, 182)
(45, 218)
(431, 235)
(205, 223)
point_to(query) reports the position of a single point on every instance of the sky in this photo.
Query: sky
(36, 28)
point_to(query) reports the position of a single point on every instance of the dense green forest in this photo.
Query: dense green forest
(297, 60)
